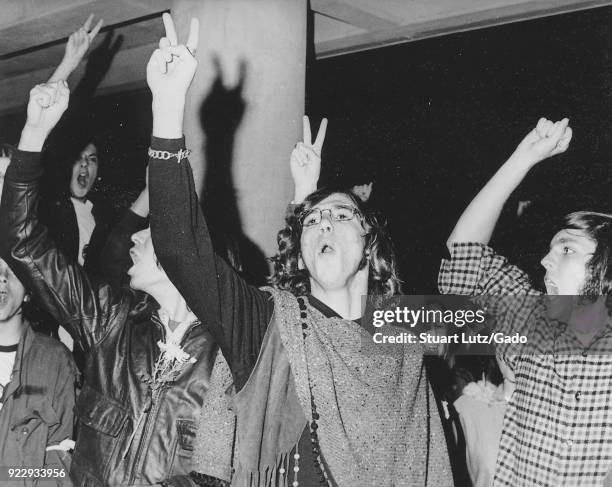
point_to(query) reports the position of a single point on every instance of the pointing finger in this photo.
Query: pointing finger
(170, 31)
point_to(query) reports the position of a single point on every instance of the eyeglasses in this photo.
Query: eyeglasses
(337, 214)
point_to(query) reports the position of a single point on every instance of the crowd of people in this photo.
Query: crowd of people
(190, 375)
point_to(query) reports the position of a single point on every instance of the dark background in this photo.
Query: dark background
(429, 122)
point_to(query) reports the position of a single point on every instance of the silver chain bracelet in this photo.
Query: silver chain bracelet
(164, 155)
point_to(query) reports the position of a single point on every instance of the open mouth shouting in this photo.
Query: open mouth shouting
(83, 178)
(135, 259)
(326, 248)
(134, 256)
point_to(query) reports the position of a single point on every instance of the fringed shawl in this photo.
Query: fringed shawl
(378, 424)
(215, 436)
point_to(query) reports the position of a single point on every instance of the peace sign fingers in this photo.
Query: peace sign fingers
(307, 134)
(95, 30)
(170, 31)
(194, 34)
(87, 26)
(318, 143)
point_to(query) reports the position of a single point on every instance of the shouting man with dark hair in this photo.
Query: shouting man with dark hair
(558, 425)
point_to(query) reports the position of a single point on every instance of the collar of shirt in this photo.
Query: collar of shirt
(175, 336)
(330, 313)
(87, 203)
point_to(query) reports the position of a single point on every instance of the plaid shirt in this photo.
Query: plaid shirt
(558, 425)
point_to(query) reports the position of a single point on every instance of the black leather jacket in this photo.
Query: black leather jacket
(131, 432)
(61, 220)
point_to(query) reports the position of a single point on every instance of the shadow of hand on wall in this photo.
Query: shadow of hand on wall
(99, 62)
(76, 126)
(220, 115)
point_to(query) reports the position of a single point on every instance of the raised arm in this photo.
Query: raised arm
(478, 221)
(237, 314)
(59, 285)
(77, 46)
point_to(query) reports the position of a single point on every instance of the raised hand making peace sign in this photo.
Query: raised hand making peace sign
(78, 44)
(306, 161)
(172, 66)
(80, 41)
(169, 74)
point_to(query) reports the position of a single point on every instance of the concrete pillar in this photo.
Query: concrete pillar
(244, 109)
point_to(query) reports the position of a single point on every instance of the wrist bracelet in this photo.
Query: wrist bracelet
(164, 155)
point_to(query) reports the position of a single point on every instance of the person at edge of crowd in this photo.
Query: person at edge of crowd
(78, 226)
(37, 389)
(483, 397)
(317, 404)
(78, 219)
(148, 370)
(556, 428)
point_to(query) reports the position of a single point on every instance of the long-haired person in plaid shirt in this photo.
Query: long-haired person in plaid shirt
(558, 425)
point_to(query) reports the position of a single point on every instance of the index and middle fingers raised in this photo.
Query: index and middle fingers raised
(307, 134)
(192, 39)
(95, 30)
(170, 31)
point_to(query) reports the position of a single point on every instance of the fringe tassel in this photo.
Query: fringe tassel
(270, 477)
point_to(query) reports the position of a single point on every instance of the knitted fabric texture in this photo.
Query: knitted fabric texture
(215, 436)
(378, 422)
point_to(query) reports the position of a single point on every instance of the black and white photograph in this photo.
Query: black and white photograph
(299, 243)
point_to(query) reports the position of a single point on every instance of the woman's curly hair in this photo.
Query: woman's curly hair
(378, 250)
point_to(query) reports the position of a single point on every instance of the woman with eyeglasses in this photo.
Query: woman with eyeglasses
(316, 401)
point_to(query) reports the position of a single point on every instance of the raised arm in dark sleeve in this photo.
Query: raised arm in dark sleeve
(59, 285)
(236, 313)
